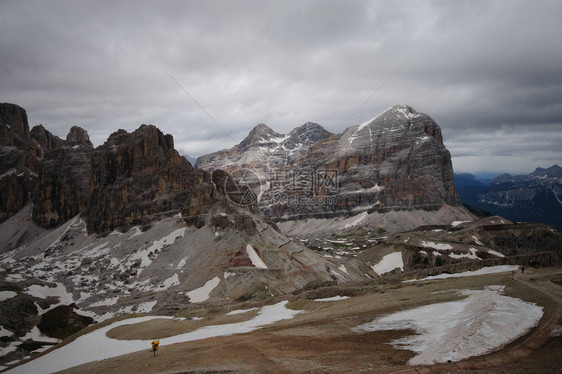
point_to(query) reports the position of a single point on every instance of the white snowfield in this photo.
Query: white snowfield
(97, 346)
(483, 322)
(495, 253)
(389, 263)
(456, 223)
(239, 311)
(483, 271)
(333, 298)
(438, 246)
(65, 298)
(471, 255)
(5, 295)
(202, 293)
(255, 258)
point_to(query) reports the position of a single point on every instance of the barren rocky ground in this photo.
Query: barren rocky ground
(321, 339)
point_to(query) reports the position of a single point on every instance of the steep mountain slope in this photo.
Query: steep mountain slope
(536, 197)
(394, 163)
(20, 156)
(63, 186)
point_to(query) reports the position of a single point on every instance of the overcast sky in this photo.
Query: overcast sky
(488, 72)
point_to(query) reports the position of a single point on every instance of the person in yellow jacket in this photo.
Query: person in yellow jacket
(155, 344)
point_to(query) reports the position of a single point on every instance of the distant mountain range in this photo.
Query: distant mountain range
(536, 197)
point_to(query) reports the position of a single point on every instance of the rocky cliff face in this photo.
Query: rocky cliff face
(63, 183)
(14, 128)
(138, 176)
(396, 161)
(40, 167)
(132, 179)
(19, 160)
(393, 162)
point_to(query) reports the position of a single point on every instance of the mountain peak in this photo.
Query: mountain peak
(398, 118)
(14, 117)
(78, 135)
(307, 134)
(403, 108)
(259, 134)
(554, 171)
(391, 116)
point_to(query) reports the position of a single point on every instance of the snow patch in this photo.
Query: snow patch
(5, 295)
(105, 302)
(170, 282)
(477, 325)
(483, 271)
(137, 232)
(471, 255)
(146, 307)
(240, 311)
(477, 241)
(201, 294)
(334, 298)
(182, 262)
(389, 263)
(495, 253)
(43, 292)
(255, 258)
(36, 335)
(228, 274)
(158, 245)
(438, 246)
(96, 346)
(336, 274)
(4, 332)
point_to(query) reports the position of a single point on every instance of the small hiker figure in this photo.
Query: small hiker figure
(155, 345)
(522, 270)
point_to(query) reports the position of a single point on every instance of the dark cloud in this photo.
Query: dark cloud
(490, 73)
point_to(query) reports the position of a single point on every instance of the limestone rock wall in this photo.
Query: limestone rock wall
(137, 176)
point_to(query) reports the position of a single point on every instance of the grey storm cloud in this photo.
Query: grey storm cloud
(489, 72)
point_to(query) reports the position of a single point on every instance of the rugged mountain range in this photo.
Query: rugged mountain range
(131, 227)
(128, 226)
(394, 163)
(536, 197)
